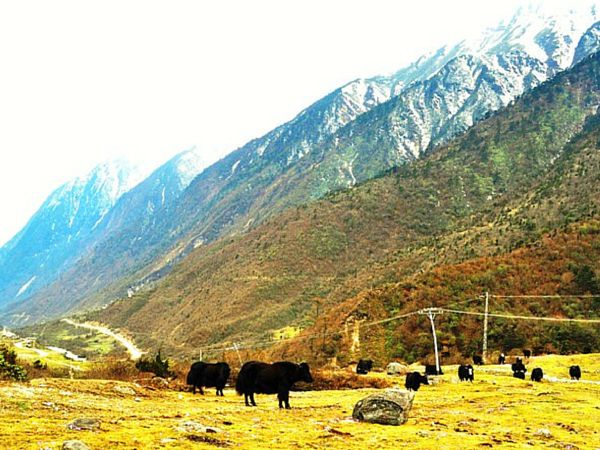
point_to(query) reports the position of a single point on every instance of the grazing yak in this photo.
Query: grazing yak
(208, 375)
(465, 372)
(364, 366)
(431, 369)
(414, 380)
(575, 372)
(518, 369)
(262, 378)
(501, 359)
(478, 360)
(518, 366)
(527, 353)
(537, 374)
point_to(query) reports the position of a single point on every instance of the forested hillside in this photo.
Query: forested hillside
(486, 193)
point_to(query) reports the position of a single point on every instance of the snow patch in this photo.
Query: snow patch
(26, 285)
(235, 166)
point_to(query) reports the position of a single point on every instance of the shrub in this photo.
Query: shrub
(157, 365)
(9, 369)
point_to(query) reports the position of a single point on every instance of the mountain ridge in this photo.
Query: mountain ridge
(345, 138)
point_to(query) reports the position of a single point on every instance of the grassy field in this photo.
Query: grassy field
(495, 411)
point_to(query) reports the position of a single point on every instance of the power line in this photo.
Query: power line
(511, 316)
(545, 296)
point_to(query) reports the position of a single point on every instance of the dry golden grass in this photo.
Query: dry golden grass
(495, 411)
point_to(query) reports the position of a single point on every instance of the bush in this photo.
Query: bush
(157, 365)
(9, 369)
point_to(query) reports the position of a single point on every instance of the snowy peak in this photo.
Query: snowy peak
(588, 44)
(65, 223)
(188, 165)
(547, 32)
(93, 194)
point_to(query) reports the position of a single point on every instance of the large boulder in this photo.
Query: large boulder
(395, 368)
(390, 407)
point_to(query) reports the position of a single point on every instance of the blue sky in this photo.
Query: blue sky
(83, 82)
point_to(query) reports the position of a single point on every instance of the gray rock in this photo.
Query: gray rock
(543, 432)
(390, 407)
(84, 424)
(124, 390)
(74, 445)
(395, 368)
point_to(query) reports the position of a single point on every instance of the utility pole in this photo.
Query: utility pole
(485, 326)
(237, 350)
(431, 313)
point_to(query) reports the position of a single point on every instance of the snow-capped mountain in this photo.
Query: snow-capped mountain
(61, 226)
(484, 74)
(353, 134)
(84, 211)
(139, 208)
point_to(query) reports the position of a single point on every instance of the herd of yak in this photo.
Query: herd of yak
(278, 378)
(254, 378)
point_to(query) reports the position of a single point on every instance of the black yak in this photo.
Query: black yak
(262, 378)
(414, 380)
(465, 372)
(431, 369)
(208, 375)
(364, 366)
(537, 374)
(575, 372)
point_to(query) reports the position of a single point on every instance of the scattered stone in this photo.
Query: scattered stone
(167, 440)
(74, 445)
(543, 432)
(338, 432)
(391, 407)
(208, 440)
(124, 390)
(189, 426)
(84, 424)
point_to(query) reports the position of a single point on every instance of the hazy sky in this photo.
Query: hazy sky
(82, 82)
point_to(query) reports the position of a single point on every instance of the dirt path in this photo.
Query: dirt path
(40, 352)
(134, 352)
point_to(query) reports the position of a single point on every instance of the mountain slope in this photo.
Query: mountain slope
(84, 213)
(457, 203)
(63, 225)
(346, 138)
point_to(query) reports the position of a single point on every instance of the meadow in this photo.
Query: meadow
(496, 411)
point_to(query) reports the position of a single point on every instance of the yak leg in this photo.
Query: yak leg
(284, 397)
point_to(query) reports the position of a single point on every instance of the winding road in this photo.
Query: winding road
(134, 352)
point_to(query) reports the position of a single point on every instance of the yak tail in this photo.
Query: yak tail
(239, 384)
